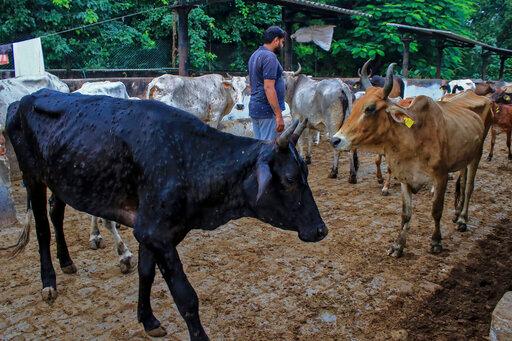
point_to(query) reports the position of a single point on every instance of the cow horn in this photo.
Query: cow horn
(389, 80)
(228, 76)
(283, 139)
(363, 75)
(298, 131)
(296, 73)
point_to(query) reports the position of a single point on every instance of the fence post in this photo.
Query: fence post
(183, 39)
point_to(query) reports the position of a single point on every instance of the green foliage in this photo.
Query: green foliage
(222, 36)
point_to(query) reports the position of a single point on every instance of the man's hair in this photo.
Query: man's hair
(273, 32)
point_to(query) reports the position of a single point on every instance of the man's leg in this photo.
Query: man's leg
(256, 128)
(268, 129)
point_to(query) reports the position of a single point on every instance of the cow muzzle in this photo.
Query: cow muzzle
(315, 234)
(340, 142)
(240, 106)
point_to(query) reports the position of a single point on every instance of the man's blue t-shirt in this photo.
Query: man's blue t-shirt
(263, 64)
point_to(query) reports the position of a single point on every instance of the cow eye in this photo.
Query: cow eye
(290, 180)
(370, 109)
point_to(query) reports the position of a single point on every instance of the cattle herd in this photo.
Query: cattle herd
(163, 167)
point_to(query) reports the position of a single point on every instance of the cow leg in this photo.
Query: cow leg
(335, 161)
(57, 208)
(378, 162)
(437, 212)
(468, 191)
(309, 138)
(126, 261)
(460, 189)
(387, 183)
(95, 239)
(354, 167)
(508, 145)
(182, 291)
(493, 141)
(397, 248)
(145, 315)
(37, 194)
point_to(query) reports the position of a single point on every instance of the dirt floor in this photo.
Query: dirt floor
(258, 283)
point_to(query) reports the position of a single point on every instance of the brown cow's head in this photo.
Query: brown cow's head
(371, 118)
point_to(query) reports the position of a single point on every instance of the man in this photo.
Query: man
(267, 86)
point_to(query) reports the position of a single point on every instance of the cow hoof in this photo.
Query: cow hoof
(127, 264)
(385, 192)
(49, 294)
(436, 248)
(396, 251)
(157, 332)
(352, 180)
(510, 157)
(489, 158)
(333, 175)
(97, 243)
(70, 269)
(308, 160)
(462, 227)
(380, 181)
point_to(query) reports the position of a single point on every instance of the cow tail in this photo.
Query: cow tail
(24, 236)
(346, 101)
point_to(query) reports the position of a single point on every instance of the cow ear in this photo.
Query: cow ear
(264, 176)
(399, 115)
(227, 84)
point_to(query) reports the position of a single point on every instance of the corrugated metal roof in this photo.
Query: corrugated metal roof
(449, 36)
(299, 5)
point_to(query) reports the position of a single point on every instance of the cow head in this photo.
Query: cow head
(445, 87)
(290, 79)
(371, 118)
(238, 89)
(502, 97)
(364, 81)
(279, 190)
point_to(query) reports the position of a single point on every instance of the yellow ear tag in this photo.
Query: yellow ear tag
(408, 122)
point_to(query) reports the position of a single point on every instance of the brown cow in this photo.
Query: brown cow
(484, 88)
(427, 139)
(502, 123)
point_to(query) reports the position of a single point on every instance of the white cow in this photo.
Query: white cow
(112, 89)
(457, 86)
(126, 261)
(209, 97)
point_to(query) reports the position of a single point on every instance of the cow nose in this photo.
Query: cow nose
(240, 107)
(335, 141)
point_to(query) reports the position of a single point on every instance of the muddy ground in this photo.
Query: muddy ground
(258, 283)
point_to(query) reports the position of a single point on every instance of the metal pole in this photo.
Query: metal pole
(503, 58)
(288, 52)
(183, 40)
(440, 48)
(485, 62)
(405, 62)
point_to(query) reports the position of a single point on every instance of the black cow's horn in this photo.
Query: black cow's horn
(296, 134)
(283, 139)
(389, 80)
(363, 75)
(296, 73)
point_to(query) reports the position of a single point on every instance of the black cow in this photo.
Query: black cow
(159, 170)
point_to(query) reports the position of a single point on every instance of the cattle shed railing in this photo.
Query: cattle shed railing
(448, 39)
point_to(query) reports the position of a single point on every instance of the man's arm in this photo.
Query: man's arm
(270, 92)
